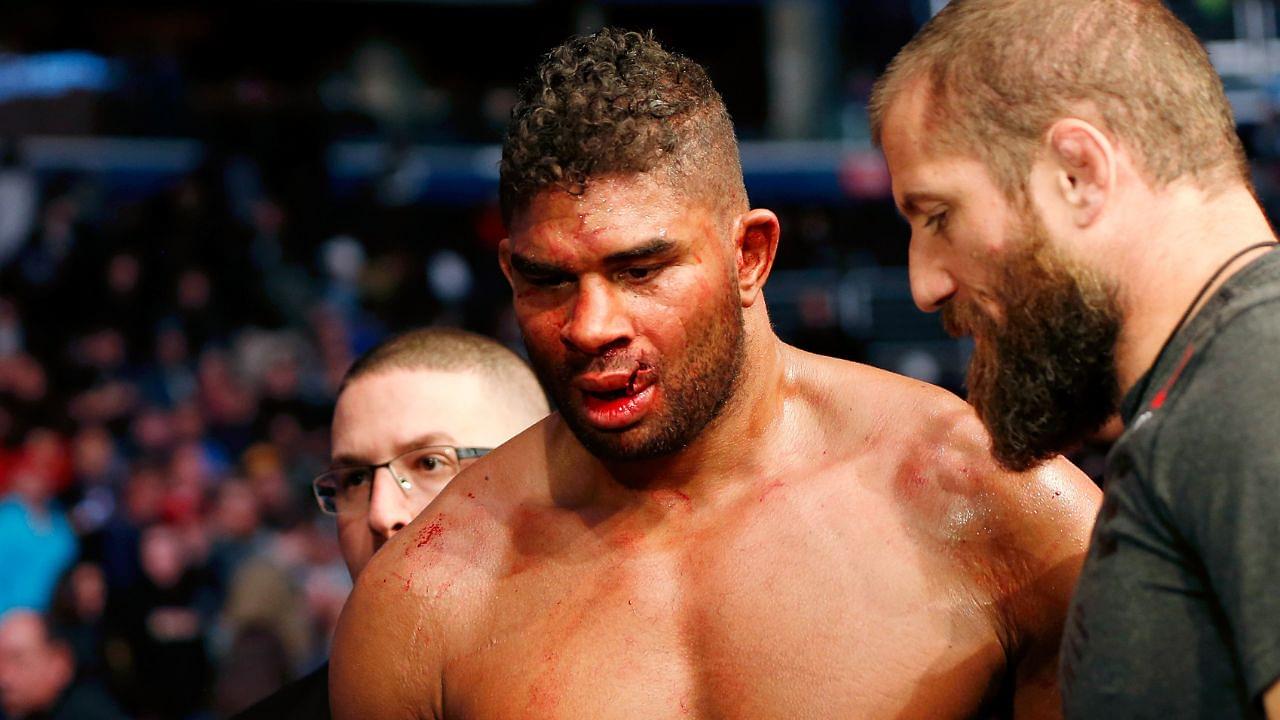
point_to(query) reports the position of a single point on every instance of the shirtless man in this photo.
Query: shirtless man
(715, 524)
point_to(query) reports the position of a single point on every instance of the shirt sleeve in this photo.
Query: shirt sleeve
(1222, 468)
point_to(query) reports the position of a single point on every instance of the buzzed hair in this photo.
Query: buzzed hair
(453, 350)
(616, 102)
(999, 73)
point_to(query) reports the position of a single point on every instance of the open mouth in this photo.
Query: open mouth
(616, 387)
(607, 395)
(617, 400)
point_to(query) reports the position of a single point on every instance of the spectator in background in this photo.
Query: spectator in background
(78, 611)
(164, 616)
(421, 406)
(38, 675)
(36, 541)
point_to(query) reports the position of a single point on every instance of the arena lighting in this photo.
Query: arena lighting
(45, 75)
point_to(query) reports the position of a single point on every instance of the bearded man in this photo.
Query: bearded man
(1080, 203)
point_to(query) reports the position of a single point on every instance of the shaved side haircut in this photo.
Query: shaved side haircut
(616, 102)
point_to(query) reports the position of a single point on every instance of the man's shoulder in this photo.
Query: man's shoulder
(1226, 392)
(830, 375)
(423, 595)
(938, 452)
(1241, 340)
(847, 397)
(1219, 413)
(457, 543)
(1017, 539)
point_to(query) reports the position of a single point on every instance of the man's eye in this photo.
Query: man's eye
(937, 221)
(547, 281)
(355, 478)
(639, 273)
(432, 463)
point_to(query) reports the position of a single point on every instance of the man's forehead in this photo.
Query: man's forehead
(408, 385)
(389, 412)
(610, 202)
(923, 166)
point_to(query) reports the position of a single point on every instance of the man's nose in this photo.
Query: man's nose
(389, 508)
(932, 284)
(598, 319)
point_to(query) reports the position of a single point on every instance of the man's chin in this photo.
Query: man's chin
(631, 444)
(1026, 434)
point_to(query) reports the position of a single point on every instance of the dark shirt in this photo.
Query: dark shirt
(1177, 613)
(306, 697)
(81, 701)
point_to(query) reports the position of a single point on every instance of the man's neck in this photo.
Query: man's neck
(1171, 262)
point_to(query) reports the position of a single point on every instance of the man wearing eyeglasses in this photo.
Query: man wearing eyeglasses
(411, 414)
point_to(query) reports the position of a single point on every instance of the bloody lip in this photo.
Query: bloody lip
(614, 401)
(617, 413)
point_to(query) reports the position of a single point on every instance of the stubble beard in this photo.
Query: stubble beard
(694, 391)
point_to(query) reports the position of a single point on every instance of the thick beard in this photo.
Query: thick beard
(1044, 379)
(694, 391)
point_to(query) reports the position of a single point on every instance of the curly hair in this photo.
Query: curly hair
(617, 102)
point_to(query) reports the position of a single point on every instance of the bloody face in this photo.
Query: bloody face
(627, 300)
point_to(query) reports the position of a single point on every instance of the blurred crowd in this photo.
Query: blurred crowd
(167, 369)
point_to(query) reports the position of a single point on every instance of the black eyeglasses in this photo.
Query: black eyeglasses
(419, 472)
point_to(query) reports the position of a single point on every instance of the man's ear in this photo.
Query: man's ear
(504, 259)
(1083, 161)
(757, 245)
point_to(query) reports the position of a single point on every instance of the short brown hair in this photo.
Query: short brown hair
(617, 102)
(452, 350)
(1000, 72)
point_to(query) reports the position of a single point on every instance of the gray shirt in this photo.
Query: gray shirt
(1177, 613)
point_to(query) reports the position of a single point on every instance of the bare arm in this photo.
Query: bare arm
(1025, 543)
(1059, 506)
(1271, 701)
(385, 661)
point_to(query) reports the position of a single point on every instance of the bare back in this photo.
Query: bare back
(873, 563)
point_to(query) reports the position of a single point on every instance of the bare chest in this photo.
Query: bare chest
(791, 611)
